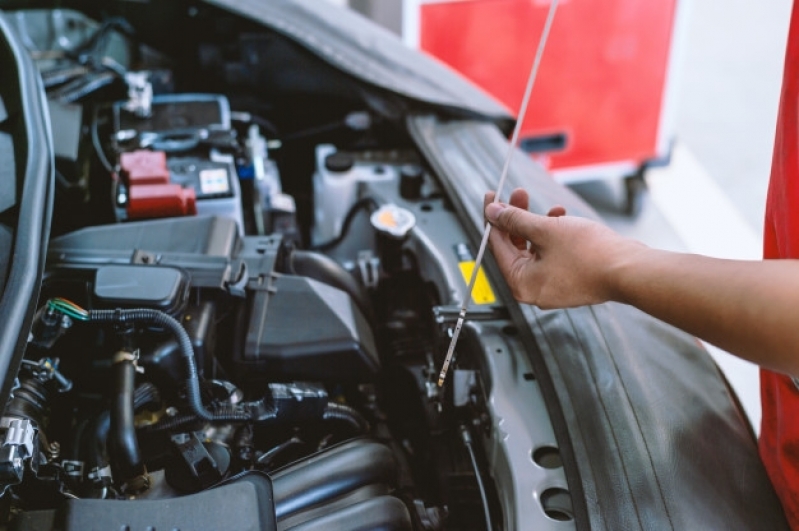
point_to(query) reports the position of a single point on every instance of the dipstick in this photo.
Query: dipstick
(503, 177)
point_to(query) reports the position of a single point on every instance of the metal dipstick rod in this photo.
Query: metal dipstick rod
(503, 177)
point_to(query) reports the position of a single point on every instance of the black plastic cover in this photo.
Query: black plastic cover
(305, 330)
(208, 236)
(246, 504)
(134, 286)
(200, 245)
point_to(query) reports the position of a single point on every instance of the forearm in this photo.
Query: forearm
(750, 309)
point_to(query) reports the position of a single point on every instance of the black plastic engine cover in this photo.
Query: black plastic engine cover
(245, 504)
(302, 329)
(141, 286)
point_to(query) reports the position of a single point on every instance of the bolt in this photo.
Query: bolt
(55, 450)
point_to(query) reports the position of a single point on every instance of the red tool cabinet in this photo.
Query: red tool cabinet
(603, 98)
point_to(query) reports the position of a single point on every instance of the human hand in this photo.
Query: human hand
(555, 261)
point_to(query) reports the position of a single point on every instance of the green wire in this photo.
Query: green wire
(68, 310)
(65, 304)
(69, 304)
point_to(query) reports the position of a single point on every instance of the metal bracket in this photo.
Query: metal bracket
(448, 315)
(369, 268)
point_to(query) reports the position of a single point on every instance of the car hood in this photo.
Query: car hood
(368, 52)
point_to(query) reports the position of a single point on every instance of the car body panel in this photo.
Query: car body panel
(362, 49)
(26, 229)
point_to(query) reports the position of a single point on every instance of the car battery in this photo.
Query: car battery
(215, 184)
(159, 186)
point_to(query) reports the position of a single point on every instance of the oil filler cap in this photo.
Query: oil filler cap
(393, 221)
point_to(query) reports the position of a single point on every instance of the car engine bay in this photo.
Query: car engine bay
(250, 284)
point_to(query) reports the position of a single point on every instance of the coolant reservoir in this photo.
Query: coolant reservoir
(337, 181)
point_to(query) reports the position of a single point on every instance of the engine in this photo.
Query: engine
(240, 311)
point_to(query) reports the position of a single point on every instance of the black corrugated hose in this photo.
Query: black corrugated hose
(332, 412)
(158, 318)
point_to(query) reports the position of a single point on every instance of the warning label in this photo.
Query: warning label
(482, 292)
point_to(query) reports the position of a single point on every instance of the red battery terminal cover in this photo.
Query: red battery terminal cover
(144, 167)
(150, 194)
(161, 201)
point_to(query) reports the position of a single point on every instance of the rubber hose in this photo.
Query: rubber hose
(144, 394)
(346, 414)
(122, 434)
(155, 317)
(369, 203)
(97, 441)
(77, 441)
(324, 269)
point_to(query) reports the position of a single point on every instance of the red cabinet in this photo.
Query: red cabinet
(603, 97)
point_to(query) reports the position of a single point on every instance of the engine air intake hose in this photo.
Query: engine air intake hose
(158, 318)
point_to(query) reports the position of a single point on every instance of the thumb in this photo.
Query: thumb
(516, 222)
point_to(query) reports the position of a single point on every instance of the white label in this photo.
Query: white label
(214, 181)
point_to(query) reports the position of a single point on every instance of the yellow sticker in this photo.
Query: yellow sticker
(482, 292)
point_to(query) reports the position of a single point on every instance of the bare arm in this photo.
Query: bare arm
(749, 308)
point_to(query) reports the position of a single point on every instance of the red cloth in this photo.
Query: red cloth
(779, 433)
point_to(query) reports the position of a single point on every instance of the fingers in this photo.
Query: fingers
(517, 222)
(519, 199)
(520, 225)
(504, 251)
(488, 198)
